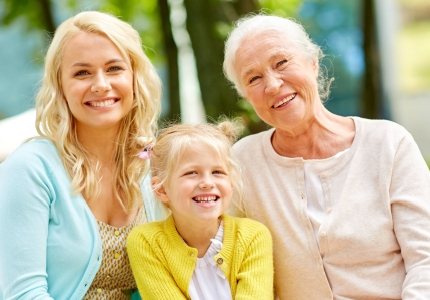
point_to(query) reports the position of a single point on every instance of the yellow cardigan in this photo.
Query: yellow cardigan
(163, 264)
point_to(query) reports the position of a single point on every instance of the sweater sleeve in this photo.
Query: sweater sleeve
(153, 278)
(410, 198)
(255, 277)
(24, 215)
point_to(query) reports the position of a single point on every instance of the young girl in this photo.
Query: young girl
(199, 252)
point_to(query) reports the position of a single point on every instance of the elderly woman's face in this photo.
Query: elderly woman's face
(277, 79)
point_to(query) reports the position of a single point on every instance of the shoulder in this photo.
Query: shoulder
(34, 150)
(251, 139)
(148, 231)
(382, 135)
(35, 156)
(252, 144)
(380, 128)
(245, 227)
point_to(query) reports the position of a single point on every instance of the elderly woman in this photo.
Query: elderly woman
(347, 200)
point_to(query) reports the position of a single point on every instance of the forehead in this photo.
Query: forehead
(198, 153)
(89, 46)
(260, 48)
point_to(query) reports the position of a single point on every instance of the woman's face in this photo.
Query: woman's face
(96, 81)
(277, 79)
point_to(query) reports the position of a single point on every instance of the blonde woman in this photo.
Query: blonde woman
(69, 197)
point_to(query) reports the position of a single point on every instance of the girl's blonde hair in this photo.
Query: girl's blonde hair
(55, 122)
(173, 141)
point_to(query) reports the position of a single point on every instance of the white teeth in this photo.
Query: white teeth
(101, 103)
(206, 199)
(285, 100)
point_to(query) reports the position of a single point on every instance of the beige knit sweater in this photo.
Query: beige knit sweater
(375, 240)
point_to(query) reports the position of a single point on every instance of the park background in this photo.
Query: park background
(378, 51)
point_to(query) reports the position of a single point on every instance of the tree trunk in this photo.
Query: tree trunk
(371, 97)
(172, 61)
(208, 45)
(46, 10)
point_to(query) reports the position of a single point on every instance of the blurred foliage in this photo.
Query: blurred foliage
(414, 3)
(281, 7)
(37, 15)
(414, 59)
(142, 15)
(335, 26)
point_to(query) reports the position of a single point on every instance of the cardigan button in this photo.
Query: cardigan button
(220, 261)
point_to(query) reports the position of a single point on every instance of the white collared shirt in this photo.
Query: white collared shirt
(208, 281)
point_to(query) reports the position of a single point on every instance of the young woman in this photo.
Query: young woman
(69, 198)
(199, 252)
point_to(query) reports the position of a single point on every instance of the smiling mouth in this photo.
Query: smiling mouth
(284, 101)
(101, 103)
(205, 199)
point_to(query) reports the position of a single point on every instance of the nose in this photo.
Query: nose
(273, 83)
(206, 183)
(101, 84)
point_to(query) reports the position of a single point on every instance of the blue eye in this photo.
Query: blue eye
(191, 173)
(219, 172)
(115, 69)
(81, 73)
(282, 62)
(254, 79)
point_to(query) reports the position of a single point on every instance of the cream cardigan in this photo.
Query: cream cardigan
(375, 240)
(163, 264)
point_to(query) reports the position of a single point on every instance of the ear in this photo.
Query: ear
(159, 190)
(316, 67)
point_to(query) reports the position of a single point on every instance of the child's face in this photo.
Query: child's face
(200, 189)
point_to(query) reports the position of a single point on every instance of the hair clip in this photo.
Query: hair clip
(146, 153)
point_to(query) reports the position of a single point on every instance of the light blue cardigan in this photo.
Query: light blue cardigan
(50, 247)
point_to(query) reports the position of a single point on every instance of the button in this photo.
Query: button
(220, 261)
(323, 233)
(116, 232)
(192, 254)
(323, 175)
(99, 291)
(303, 196)
(108, 277)
(329, 210)
(116, 255)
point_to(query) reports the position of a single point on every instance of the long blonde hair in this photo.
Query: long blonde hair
(174, 140)
(55, 122)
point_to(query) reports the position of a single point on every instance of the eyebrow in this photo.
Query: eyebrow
(273, 56)
(114, 60)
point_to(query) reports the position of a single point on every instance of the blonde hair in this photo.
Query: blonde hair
(174, 140)
(55, 122)
(257, 23)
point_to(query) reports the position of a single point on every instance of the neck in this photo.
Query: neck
(322, 136)
(198, 235)
(99, 142)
